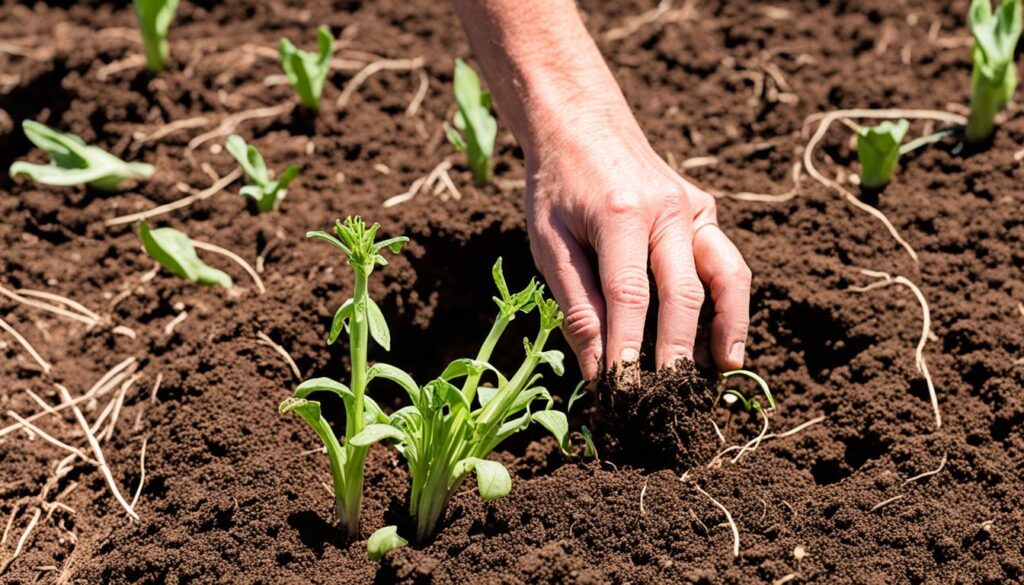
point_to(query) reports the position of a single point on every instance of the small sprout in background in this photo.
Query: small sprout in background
(72, 162)
(475, 128)
(155, 18)
(994, 77)
(174, 251)
(306, 71)
(878, 149)
(266, 192)
(384, 541)
(362, 319)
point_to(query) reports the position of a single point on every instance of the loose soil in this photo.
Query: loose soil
(232, 493)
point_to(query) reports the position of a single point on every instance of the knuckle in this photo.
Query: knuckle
(581, 322)
(687, 295)
(624, 203)
(630, 288)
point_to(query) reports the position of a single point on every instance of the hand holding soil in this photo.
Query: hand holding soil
(597, 190)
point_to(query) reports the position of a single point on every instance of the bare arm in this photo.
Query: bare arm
(595, 186)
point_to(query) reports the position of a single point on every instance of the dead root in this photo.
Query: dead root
(264, 339)
(926, 328)
(212, 190)
(438, 182)
(380, 65)
(728, 517)
(660, 14)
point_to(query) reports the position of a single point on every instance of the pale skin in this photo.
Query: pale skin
(597, 190)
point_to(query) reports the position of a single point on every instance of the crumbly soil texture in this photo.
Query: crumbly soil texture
(233, 493)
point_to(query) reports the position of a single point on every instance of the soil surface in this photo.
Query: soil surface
(232, 491)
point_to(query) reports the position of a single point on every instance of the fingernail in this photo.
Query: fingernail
(736, 353)
(629, 355)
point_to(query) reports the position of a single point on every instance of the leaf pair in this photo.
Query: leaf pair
(994, 77)
(475, 130)
(155, 18)
(266, 192)
(378, 325)
(72, 162)
(307, 72)
(174, 251)
(878, 149)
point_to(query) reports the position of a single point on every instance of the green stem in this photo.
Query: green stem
(359, 335)
(156, 51)
(473, 381)
(491, 416)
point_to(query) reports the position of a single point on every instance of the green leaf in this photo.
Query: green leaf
(492, 479)
(394, 244)
(557, 423)
(174, 251)
(485, 394)
(591, 450)
(376, 432)
(760, 382)
(378, 326)
(307, 72)
(396, 375)
(878, 148)
(579, 392)
(341, 317)
(499, 280)
(72, 162)
(383, 541)
(329, 238)
(555, 359)
(994, 76)
(474, 119)
(312, 385)
(455, 138)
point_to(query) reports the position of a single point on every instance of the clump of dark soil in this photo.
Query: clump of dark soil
(659, 419)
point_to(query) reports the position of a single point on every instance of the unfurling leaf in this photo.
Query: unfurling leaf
(383, 541)
(994, 77)
(492, 479)
(475, 130)
(307, 72)
(340, 322)
(557, 423)
(174, 251)
(376, 432)
(267, 193)
(878, 148)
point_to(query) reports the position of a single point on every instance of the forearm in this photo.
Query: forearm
(548, 79)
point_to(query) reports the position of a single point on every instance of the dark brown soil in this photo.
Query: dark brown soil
(230, 494)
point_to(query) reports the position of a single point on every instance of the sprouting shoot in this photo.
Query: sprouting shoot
(475, 128)
(307, 72)
(266, 192)
(994, 77)
(155, 18)
(362, 319)
(72, 162)
(878, 149)
(175, 252)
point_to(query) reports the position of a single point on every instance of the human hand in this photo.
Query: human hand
(596, 188)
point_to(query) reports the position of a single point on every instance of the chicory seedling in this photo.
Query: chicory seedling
(362, 318)
(265, 191)
(155, 18)
(994, 77)
(307, 72)
(174, 251)
(444, 438)
(72, 162)
(878, 149)
(475, 128)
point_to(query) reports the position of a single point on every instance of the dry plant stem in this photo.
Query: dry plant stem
(47, 307)
(49, 438)
(117, 408)
(425, 183)
(797, 174)
(643, 492)
(885, 503)
(16, 426)
(926, 328)
(42, 403)
(717, 458)
(728, 518)
(21, 541)
(10, 524)
(823, 126)
(229, 123)
(210, 191)
(382, 65)
(156, 388)
(142, 473)
(265, 339)
(171, 128)
(72, 304)
(133, 62)
(935, 471)
(98, 452)
(177, 320)
(28, 346)
(756, 441)
(421, 93)
(659, 12)
(238, 260)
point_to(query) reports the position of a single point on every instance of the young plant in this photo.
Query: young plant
(306, 71)
(362, 318)
(475, 128)
(72, 162)
(994, 77)
(174, 251)
(444, 438)
(155, 18)
(266, 192)
(878, 149)
(752, 404)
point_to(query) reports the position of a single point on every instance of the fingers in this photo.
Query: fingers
(680, 292)
(622, 256)
(566, 269)
(721, 266)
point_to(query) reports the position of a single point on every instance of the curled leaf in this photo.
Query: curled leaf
(383, 541)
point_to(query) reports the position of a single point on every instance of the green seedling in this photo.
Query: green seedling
(362, 318)
(261, 188)
(155, 18)
(878, 149)
(174, 251)
(751, 404)
(994, 77)
(444, 438)
(475, 128)
(307, 71)
(72, 162)
(383, 541)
